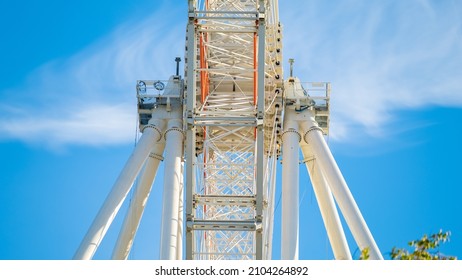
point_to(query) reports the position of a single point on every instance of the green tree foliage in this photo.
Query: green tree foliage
(426, 248)
(364, 254)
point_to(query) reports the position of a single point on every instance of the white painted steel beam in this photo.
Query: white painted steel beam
(179, 239)
(135, 211)
(260, 141)
(290, 190)
(122, 186)
(327, 207)
(171, 195)
(313, 136)
(270, 211)
(190, 155)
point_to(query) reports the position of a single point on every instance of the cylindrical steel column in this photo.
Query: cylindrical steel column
(171, 196)
(361, 233)
(135, 211)
(123, 184)
(270, 210)
(290, 172)
(327, 207)
(179, 248)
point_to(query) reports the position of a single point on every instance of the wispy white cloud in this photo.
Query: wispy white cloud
(381, 57)
(106, 124)
(89, 98)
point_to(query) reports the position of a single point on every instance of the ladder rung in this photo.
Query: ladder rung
(245, 201)
(227, 225)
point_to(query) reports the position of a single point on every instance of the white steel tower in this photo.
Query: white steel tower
(223, 129)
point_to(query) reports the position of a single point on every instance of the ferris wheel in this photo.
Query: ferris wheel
(220, 132)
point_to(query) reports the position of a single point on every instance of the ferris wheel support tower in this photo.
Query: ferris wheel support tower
(220, 132)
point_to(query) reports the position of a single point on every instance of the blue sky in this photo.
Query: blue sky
(68, 115)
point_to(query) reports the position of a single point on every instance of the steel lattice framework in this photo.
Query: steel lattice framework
(224, 222)
(222, 129)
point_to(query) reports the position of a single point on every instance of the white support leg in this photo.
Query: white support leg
(122, 186)
(290, 171)
(270, 210)
(327, 207)
(137, 205)
(171, 196)
(179, 248)
(361, 233)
